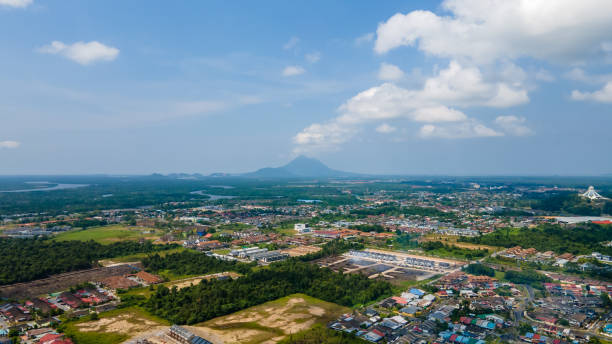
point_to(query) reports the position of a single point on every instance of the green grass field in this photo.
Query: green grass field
(107, 234)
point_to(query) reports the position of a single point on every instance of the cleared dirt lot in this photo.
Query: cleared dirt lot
(188, 282)
(452, 240)
(270, 322)
(392, 274)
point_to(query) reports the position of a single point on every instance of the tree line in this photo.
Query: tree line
(25, 260)
(582, 239)
(193, 263)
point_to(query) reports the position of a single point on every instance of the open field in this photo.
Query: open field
(301, 250)
(108, 234)
(182, 283)
(270, 322)
(114, 326)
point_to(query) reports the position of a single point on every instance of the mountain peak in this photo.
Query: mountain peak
(300, 167)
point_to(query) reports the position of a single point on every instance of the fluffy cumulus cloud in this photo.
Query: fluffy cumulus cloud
(293, 71)
(604, 95)
(323, 137)
(389, 72)
(484, 42)
(84, 53)
(513, 125)
(436, 104)
(9, 144)
(15, 3)
(488, 30)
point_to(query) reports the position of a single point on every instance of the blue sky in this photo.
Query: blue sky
(405, 87)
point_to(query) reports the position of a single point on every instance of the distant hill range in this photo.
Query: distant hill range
(300, 167)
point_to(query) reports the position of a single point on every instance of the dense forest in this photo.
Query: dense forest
(214, 298)
(582, 239)
(109, 192)
(25, 260)
(531, 277)
(193, 263)
(572, 203)
(479, 269)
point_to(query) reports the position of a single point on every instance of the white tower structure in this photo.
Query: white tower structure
(592, 194)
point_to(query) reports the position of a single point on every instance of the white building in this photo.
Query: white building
(301, 228)
(592, 194)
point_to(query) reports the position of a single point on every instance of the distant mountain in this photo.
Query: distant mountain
(300, 167)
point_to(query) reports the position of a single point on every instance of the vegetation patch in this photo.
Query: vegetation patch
(320, 334)
(213, 298)
(582, 239)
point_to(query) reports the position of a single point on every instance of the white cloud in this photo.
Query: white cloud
(291, 43)
(603, 95)
(513, 125)
(455, 86)
(15, 3)
(488, 30)
(385, 128)
(293, 71)
(463, 130)
(322, 137)
(366, 38)
(313, 57)
(389, 72)
(82, 52)
(462, 85)
(9, 144)
(438, 114)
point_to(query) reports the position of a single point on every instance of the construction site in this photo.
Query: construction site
(396, 267)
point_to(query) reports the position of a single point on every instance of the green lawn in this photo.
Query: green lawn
(106, 234)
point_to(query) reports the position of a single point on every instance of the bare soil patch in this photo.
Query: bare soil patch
(269, 322)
